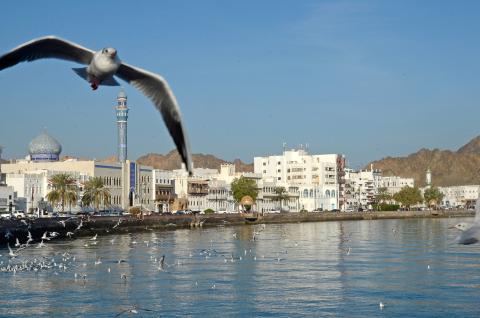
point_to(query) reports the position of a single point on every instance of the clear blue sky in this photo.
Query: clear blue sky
(364, 78)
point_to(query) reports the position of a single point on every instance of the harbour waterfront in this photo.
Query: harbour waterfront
(13, 228)
(335, 269)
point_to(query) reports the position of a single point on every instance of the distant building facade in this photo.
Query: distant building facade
(460, 196)
(128, 183)
(320, 178)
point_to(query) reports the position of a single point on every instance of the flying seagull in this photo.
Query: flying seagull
(101, 67)
(470, 231)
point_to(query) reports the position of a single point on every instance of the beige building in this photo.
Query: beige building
(129, 183)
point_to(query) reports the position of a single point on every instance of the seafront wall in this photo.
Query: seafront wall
(89, 226)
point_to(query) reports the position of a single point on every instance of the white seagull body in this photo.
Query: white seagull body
(101, 67)
(470, 231)
(10, 252)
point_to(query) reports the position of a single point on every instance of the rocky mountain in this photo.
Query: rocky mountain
(172, 161)
(461, 167)
(472, 147)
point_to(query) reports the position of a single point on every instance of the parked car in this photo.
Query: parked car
(5, 216)
(18, 214)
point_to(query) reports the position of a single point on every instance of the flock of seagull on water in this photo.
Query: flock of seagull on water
(66, 261)
(470, 234)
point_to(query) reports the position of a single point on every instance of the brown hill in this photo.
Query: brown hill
(472, 147)
(448, 167)
(172, 161)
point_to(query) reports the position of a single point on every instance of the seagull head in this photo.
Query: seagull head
(462, 226)
(109, 51)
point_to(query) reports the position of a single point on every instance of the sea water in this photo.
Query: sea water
(391, 268)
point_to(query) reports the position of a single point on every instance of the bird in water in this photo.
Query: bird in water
(470, 232)
(101, 68)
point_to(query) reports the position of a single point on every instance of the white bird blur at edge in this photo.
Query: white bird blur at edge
(44, 237)
(10, 252)
(101, 67)
(470, 231)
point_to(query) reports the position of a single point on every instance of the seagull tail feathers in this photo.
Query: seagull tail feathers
(82, 72)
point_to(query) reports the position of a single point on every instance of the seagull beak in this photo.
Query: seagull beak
(113, 54)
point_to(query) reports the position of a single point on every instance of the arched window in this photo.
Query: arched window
(311, 193)
(305, 193)
(327, 193)
(333, 193)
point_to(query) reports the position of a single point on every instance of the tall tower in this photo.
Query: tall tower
(428, 178)
(122, 117)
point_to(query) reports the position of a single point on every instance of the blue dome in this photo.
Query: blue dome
(44, 148)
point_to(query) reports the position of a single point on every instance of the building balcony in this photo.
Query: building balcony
(164, 197)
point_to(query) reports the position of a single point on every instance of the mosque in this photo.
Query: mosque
(129, 183)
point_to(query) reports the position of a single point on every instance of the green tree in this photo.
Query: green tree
(408, 196)
(209, 211)
(281, 195)
(433, 196)
(95, 193)
(243, 186)
(64, 190)
(383, 195)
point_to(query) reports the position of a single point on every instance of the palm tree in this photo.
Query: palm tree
(64, 190)
(281, 194)
(95, 193)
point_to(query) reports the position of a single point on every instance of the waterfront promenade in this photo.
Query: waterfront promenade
(86, 226)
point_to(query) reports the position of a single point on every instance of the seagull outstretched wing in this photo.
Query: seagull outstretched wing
(46, 47)
(157, 89)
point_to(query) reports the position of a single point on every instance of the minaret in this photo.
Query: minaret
(429, 178)
(122, 117)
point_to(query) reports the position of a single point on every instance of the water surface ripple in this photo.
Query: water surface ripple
(328, 269)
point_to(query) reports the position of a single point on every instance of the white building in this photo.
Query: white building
(7, 199)
(362, 187)
(394, 184)
(459, 196)
(319, 178)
